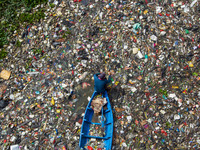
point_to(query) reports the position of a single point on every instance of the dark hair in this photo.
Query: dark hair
(102, 76)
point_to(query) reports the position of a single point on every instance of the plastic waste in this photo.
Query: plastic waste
(151, 50)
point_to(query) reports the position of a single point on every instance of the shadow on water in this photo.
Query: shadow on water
(82, 96)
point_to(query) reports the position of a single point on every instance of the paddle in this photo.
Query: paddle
(102, 118)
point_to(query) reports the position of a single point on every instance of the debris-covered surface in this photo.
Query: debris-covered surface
(152, 50)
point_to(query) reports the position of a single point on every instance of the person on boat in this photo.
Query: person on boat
(100, 82)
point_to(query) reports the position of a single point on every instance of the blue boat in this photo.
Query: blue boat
(107, 123)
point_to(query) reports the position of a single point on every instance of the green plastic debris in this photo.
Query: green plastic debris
(136, 27)
(186, 31)
(195, 74)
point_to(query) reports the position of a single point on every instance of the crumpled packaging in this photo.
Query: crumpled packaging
(5, 74)
(97, 104)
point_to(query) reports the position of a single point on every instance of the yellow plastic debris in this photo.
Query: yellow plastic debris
(145, 12)
(52, 101)
(174, 87)
(58, 111)
(117, 82)
(190, 64)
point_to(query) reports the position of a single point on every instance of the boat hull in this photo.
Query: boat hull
(108, 124)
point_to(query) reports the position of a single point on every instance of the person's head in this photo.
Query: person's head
(102, 76)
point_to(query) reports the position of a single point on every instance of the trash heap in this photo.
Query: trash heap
(152, 50)
(96, 130)
(93, 144)
(97, 104)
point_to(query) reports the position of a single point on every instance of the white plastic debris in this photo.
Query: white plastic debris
(176, 117)
(159, 9)
(193, 3)
(133, 89)
(139, 54)
(88, 98)
(129, 118)
(11, 96)
(14, 147)
(135, 50)
(162, 112)
(153, 38)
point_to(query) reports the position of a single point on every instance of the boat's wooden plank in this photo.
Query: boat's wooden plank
(96, 137)
(92, 122)
(108, 123)
(106, 111)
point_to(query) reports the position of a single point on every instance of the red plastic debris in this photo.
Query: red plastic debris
(186, 67)
(89, 148)
(80, 121)
(35, 58)
(165, 133)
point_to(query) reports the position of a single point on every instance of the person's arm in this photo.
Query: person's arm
(109, 79)
(96, 75)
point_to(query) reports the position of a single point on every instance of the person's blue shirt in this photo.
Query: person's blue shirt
(99, 85)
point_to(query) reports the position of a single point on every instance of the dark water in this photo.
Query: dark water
(82, 96)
